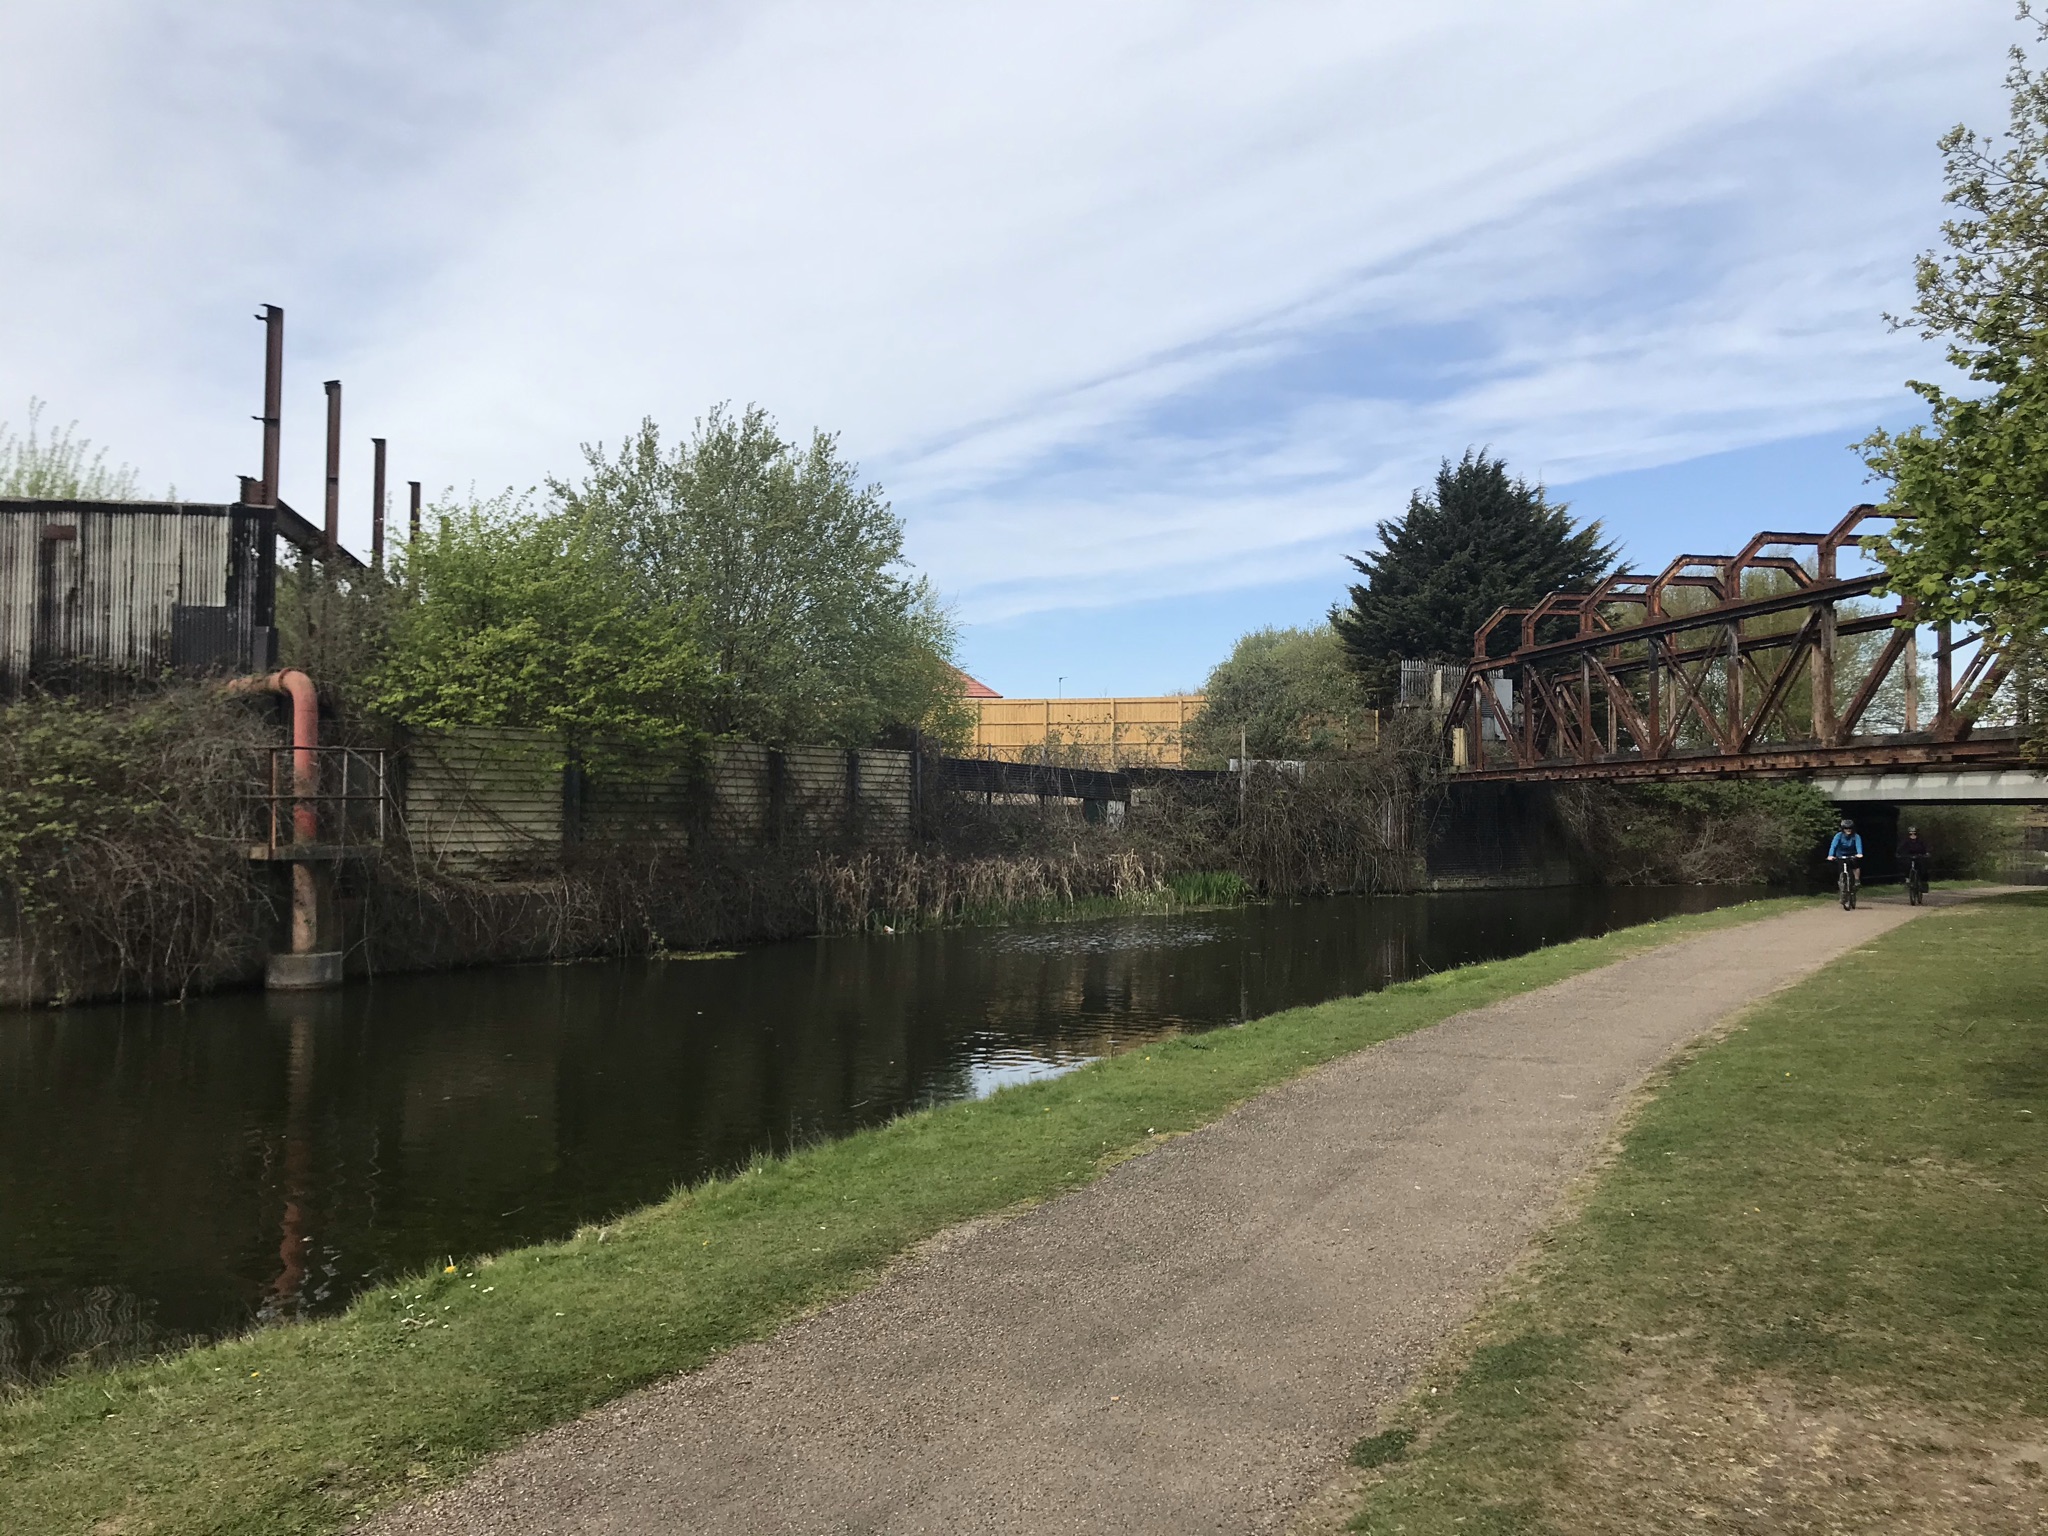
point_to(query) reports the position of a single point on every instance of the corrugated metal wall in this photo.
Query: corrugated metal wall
(95, 588)
(496, 797)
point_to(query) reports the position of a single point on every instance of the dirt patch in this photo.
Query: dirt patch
(1693, 1452)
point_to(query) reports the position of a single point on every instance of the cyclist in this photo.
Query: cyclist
(1847, 850)
(1914, 854)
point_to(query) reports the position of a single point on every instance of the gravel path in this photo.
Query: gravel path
(1189, 1344)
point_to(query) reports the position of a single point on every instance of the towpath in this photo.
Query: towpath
(1192, 1342)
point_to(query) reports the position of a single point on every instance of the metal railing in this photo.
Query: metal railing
(320, 801)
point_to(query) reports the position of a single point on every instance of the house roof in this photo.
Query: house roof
(974, 688)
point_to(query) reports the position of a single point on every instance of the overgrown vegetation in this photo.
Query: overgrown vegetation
(302, 1429)
(1808, 1294)
(520, 618)
(736, 586)
(784, 574)
(1284, 694)
(124, 836)
(1732, 832)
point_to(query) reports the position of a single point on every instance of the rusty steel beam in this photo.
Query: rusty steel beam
(273, 402)
(1659, 679)
(377, 503)
(1990, 750)
(332, 529)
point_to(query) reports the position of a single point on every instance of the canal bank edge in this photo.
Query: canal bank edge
(310, 1427)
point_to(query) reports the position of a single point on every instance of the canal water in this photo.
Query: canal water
(169, 1174)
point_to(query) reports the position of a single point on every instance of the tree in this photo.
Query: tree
(788, 574)
(520, 618)
(59, 467)
(1969, 491)
(1477, 542)
(1285, 693)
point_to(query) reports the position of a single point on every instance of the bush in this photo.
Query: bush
(123, 844)
(1714, 832)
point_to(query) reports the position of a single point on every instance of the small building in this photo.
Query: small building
(100, 595)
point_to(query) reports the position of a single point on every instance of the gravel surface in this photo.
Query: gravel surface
(1189, 1344)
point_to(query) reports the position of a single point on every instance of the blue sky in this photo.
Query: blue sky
(1143, 315)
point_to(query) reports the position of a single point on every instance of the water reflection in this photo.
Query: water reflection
(169, 1173)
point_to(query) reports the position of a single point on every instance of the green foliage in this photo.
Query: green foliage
(119, 850)
(787, 574)
(59, 466)
(1970, 489)
(306, 1429)
(1290, 694)
(521, 618)
(1736, 831)
(1209, 888)
(1806, 816)
(1477, 542)
(335, 625)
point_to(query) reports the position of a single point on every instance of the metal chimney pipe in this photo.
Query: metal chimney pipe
(333, 463)
(273, 400)
(414, 531)
(377, 503)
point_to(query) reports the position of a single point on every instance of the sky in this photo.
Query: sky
(1143, 315)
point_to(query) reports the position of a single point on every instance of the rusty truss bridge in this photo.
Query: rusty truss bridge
(1766, 662)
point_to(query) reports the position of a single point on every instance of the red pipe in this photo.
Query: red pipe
(298, 687)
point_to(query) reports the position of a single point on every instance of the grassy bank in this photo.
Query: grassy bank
(1811, 1292)
(302, 1428)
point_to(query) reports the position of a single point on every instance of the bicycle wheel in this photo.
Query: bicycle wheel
(1844, 891)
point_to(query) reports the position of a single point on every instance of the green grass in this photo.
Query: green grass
(1210, 888)
(1815, 1278)
(1201, 890)
(300, 1429)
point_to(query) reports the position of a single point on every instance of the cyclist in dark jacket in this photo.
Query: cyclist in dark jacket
(1914, 854)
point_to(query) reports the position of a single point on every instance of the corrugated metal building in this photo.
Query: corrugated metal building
(95, 594)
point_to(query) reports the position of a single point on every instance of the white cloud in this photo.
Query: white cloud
(1003, 249)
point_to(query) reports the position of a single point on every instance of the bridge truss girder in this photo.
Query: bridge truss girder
(1716, 690)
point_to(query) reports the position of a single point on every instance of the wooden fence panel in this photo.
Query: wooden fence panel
(1090, 733)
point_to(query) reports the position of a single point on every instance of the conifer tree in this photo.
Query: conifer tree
(1479, 540)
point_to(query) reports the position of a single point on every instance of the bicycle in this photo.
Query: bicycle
(1845, 883)
(1916, 883)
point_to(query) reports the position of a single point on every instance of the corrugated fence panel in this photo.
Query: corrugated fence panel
(739, 791)
(494, 797)
(640, 795)
(814, 791)
(485, 797)
(885, 792)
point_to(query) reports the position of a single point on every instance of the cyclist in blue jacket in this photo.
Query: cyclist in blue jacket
(1848, 844)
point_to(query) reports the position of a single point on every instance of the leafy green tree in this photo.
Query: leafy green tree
(1285, 693)
(530, 619)
(59, 465)
(786, 571)
(1479, 540)
(1969, 490)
